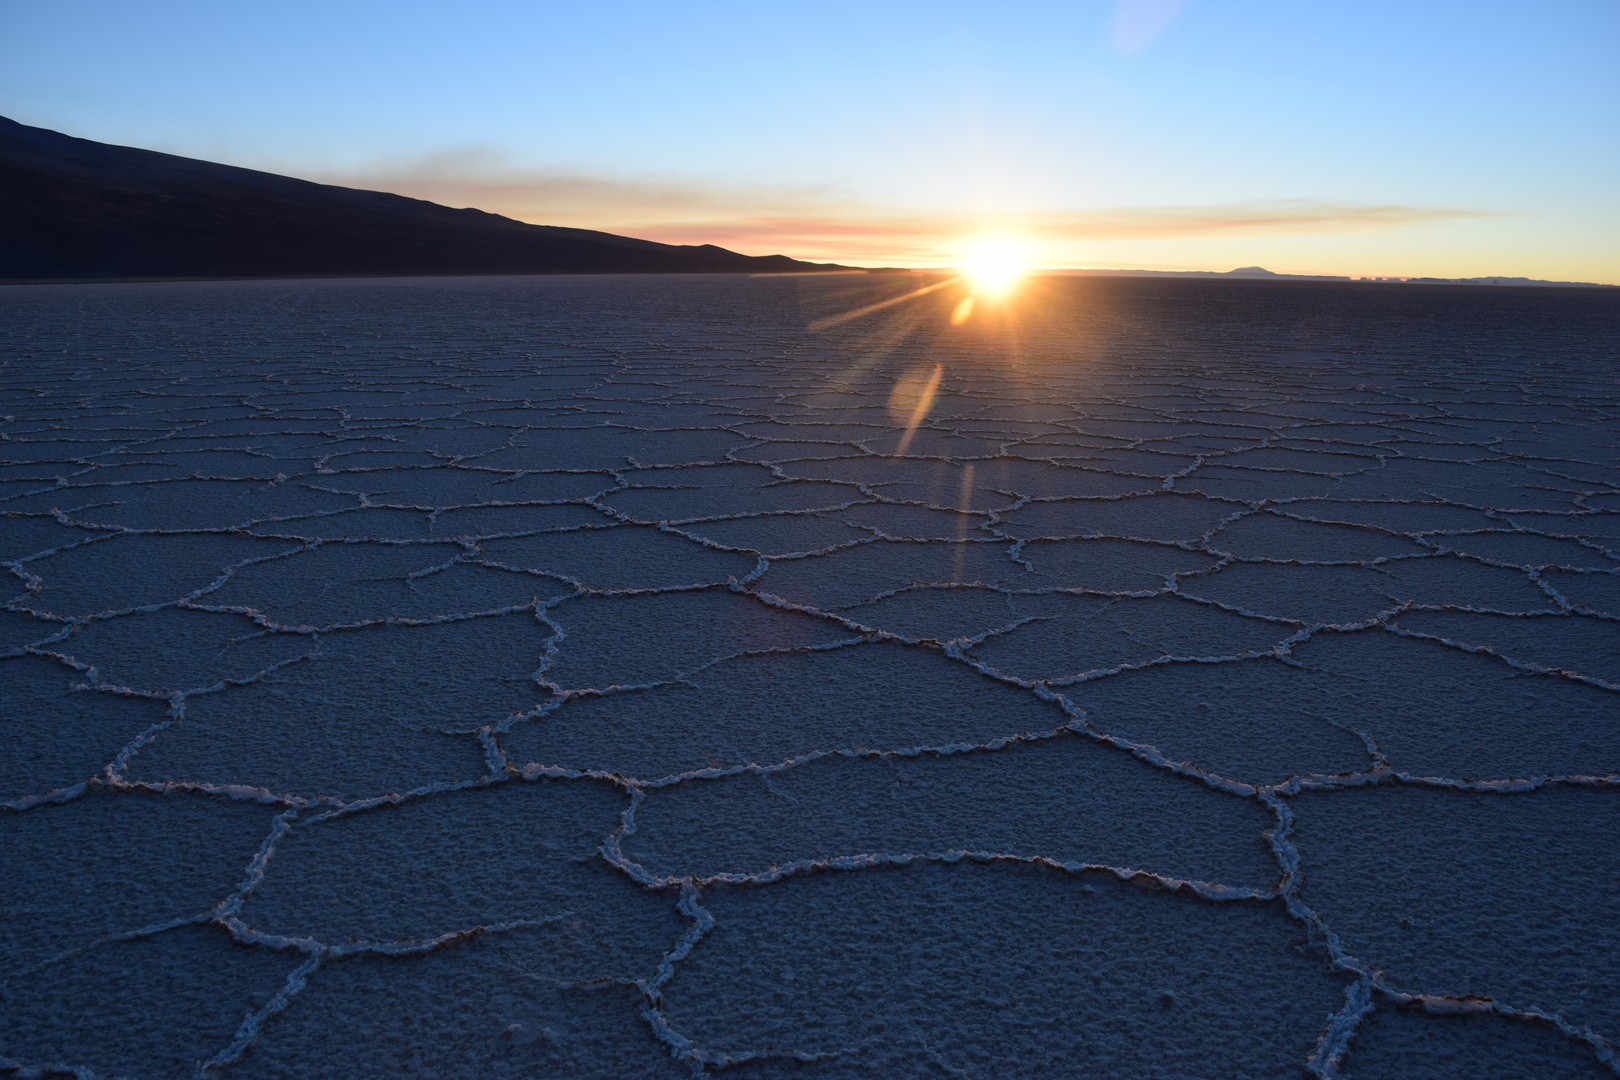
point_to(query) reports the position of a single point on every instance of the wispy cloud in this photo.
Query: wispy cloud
(823, 223)
(484, 179)
(936, 236)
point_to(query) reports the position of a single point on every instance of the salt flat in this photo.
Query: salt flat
(611, 677)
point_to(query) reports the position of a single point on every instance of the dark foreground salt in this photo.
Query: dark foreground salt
(604, 678)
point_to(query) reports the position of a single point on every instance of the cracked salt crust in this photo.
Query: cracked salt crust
(564, 677)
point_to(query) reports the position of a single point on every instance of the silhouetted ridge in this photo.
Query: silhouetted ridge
(73, 208)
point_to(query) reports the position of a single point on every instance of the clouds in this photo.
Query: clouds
(483, 178)
(1123, 132)
(864, 235)
(825, 223)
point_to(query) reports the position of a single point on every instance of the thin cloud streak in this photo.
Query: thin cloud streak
(1250, 219)
(822, 223)
(482, 179)
(940, 238)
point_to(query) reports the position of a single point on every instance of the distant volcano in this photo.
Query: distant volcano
(75, 209)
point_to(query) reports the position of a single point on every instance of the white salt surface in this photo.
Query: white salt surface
(611, 678)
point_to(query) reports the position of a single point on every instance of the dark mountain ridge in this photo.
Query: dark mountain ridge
(75, 209)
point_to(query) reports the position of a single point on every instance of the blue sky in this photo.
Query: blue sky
(1366, 138)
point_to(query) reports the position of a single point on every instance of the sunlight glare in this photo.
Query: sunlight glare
(994, 267)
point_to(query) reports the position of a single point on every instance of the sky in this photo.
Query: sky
(1370, 138)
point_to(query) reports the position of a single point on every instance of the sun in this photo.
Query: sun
(994, 267)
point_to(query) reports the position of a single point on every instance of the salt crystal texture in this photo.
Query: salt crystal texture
(610, 677)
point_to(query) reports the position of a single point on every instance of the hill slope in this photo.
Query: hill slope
(72, 208)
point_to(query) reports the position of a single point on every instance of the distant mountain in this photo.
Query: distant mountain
(1504, 281)
(1260, 273)
(75, 209)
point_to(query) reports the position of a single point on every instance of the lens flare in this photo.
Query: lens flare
(830, 321)
(911, 399)
(994, 268)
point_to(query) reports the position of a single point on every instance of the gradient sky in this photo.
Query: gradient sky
(1368, 137)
